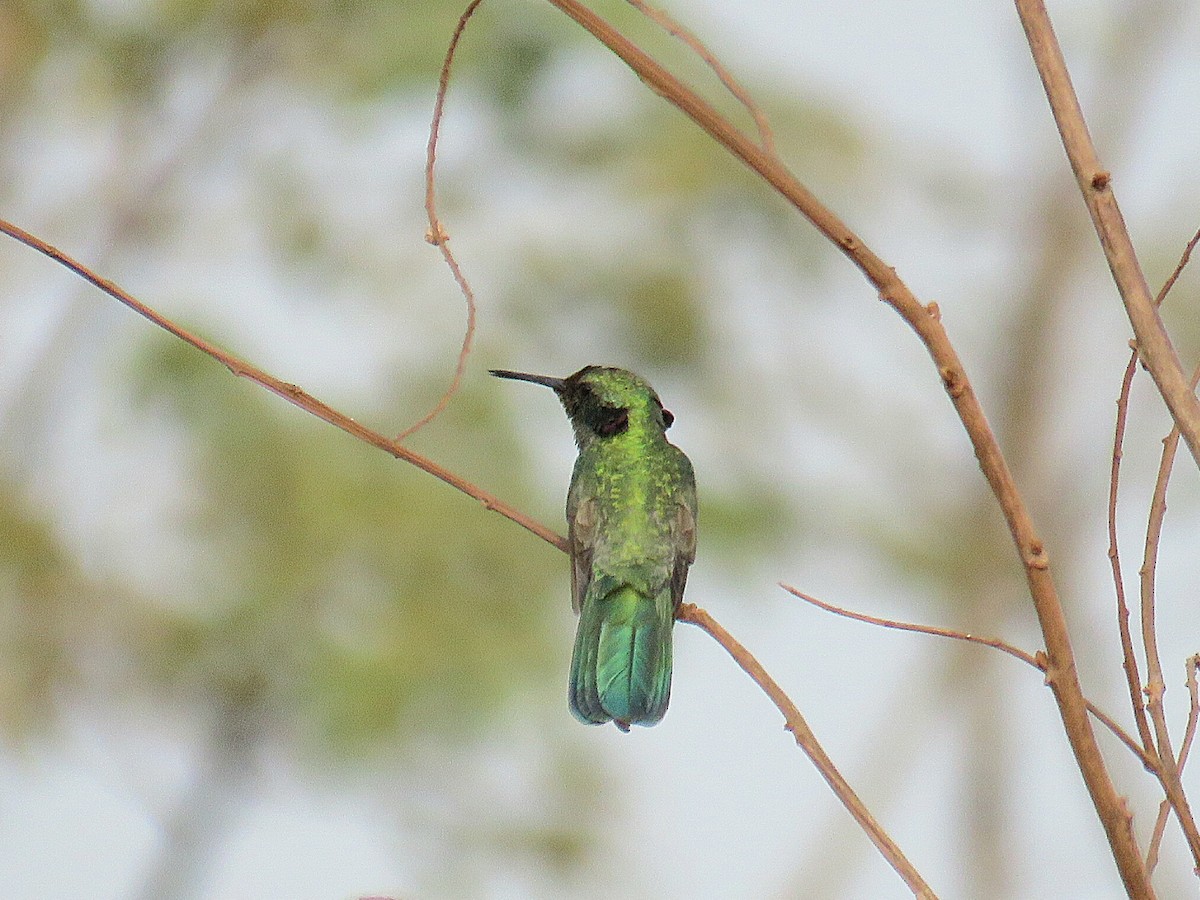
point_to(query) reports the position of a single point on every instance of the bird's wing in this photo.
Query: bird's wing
(581, 534)
(683, 536)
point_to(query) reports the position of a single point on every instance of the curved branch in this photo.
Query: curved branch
(1061, 672)
(437, 235)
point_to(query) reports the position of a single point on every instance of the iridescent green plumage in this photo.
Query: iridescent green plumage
(631, 514)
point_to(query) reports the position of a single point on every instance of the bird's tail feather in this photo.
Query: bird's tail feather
(621, 668)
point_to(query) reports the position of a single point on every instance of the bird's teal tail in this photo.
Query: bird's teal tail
(621, 668)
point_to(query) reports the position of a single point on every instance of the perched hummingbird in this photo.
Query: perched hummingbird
(631, 517)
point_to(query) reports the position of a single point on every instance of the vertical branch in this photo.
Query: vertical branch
(1189, 733)
(1095, 183)
(437, 234)
(1132, 675)
(1133, 678)
(1156, 685)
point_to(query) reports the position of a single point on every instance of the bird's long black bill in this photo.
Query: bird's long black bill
(555, 384)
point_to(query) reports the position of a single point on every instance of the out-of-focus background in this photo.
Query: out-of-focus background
(244, 656)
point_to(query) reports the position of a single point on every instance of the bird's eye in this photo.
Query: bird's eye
(668, 418)
(615, 423)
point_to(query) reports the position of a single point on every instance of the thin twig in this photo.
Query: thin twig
(1037, 661)
(1164, 808)
(1095, 183)
(1189, 733)
(807, 741)
(1132, 675)
(1061, 673)
(437, 234)
(288, 392)
(1184, 259)
(664, 20)
(1168, 771)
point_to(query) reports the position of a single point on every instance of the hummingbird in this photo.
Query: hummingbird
(631, 526)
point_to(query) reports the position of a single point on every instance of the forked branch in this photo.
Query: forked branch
(1036, 660)
(1189, 734)
(1159, 742)
(1168, 771)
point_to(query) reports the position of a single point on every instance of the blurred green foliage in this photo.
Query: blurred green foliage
(41, 617)
(367, 598)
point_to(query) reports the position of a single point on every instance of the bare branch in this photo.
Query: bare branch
(1189, 732)
(1133, 678)
(1184, 259)
(1164, 808)
(664, 20)
(807, 741)
(1132, 675)
(437, 234)
(1036, 660)
(289, 392)
(1168, 771)
(1095, 183)
(689, 612)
